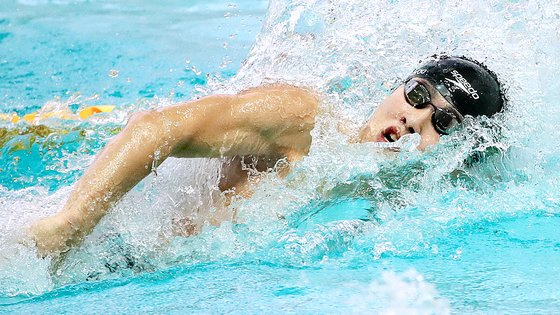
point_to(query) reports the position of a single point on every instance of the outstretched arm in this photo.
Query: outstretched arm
(273, 120)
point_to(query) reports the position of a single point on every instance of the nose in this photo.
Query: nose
(418, 120)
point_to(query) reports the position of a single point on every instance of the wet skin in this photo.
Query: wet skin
(395, 118)
(264, 124)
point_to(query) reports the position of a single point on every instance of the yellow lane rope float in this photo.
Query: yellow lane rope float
(60, 114)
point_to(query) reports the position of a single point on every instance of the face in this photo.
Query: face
(395, 117)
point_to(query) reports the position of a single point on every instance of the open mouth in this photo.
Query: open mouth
(391, 134)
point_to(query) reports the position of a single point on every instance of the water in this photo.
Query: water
(352, 228)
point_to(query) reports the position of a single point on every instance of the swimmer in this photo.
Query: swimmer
(267, 123)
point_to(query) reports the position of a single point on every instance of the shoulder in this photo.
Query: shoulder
(278, 105)
(283, 94)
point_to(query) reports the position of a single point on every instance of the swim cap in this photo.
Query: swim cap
(474, 90)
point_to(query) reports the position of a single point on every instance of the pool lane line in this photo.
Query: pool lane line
(36, 117)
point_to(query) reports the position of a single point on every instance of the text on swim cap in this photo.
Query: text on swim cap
(463, 84)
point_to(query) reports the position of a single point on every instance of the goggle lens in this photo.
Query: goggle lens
(443, 121)
(418, 96)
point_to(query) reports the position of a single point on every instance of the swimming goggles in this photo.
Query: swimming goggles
(418, 95)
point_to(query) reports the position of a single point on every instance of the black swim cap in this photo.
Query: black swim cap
(474, 90)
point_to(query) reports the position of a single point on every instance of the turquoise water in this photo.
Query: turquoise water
(353, 228)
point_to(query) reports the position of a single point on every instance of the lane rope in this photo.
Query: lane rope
(60, 114)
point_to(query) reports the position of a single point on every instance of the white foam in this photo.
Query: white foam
(398, 293)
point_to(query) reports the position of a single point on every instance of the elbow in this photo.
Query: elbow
(146, 128)
(147, 124)
(142, 119)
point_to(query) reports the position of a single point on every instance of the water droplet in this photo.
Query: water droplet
(113, 73)
(195, 70)
(225, 63)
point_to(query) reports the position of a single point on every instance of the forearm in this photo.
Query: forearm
(124, 162)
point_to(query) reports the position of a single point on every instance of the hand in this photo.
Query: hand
(51, 235)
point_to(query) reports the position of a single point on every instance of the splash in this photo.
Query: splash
(406, 293)
(347, 204)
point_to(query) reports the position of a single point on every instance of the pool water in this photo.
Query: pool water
(353, 228)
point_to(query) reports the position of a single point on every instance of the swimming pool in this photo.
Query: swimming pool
(361, 232)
